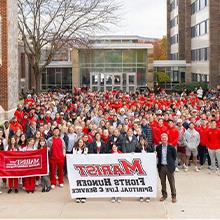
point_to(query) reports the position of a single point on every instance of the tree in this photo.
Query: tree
(48, 25)
(162, 77)
(160, 49)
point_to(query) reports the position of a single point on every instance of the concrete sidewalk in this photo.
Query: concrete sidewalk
(198, 196)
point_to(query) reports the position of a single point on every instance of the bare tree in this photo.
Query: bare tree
(53, 23)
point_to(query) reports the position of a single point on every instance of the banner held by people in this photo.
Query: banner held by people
(23, 164)
(112, 175)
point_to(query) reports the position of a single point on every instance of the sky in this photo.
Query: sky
(141, 17)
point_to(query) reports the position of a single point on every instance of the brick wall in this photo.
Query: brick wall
(4, 47)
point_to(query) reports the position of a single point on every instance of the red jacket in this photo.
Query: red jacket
(214, 139)
(19, 115)
(157, 131)
(14, 126)
(173, 136)
(203, 131)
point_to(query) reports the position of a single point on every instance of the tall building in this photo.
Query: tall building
(193, 33)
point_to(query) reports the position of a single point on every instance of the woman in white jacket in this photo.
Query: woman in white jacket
(191, 140)
(80, 148)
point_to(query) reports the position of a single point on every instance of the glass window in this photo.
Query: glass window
(141, 77)
(51, 76)
(85, 77)
(113, 56)
(129, 56)
(141, 56)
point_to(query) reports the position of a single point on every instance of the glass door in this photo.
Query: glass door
(131, 84)
(94, 81)
(117, 83)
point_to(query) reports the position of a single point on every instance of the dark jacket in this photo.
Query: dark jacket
(118, 142)
(147, 130)
(129, 146)
(149, 149)
(93, 148)
(171, 157)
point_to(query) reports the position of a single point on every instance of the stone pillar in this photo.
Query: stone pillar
(150, 68)
(8, 58)
(76, 68)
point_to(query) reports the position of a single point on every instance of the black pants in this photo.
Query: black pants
(163, 173)
(203, 154)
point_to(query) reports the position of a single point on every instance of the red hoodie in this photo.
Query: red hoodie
(157, 131)
(173, 136)
(214, 139)
(203, 131)
(19, 115)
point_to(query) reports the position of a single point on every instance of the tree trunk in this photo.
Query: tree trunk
(37, 77)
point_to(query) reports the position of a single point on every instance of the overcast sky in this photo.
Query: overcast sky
(142, 17)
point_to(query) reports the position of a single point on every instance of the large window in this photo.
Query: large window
(174, 4)
(56, 78)
(198, 6)
(200, 54)
(174, 22)
(198, 77)
(174, 39)
(200, 29)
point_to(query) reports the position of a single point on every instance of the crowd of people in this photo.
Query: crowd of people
(86, 122)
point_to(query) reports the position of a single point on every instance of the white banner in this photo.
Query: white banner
(112, 175)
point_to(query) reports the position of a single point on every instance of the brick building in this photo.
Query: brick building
(193, 30)
(8, 57)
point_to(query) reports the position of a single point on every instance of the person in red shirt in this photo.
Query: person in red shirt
(15, 125)
(202, 148)
(57, 155)
(19, 114)
(157, 131)
(214, 144)
(173, 134)
(105, 136)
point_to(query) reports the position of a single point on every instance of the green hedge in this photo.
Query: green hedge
(189, 87)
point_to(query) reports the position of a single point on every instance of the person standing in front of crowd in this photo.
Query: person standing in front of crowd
(13, 182)
(72, 139)
(181, 148)
(144, 147)
(130, 142)
(29, 182)
(202, 149)
(117, 139)
(166, 155)
(173, 136)
(191, 140)
(214, 145)
(115, 150)
(45, 180)
(80, 148)
(57, 155)
(98, 146)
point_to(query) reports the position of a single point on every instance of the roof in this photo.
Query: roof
(122, 46)
(170, 63)
(60, 64)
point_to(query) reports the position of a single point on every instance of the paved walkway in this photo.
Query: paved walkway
(198, 197)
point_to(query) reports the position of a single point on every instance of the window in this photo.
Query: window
(200, 77)
(174, 39)
(174, 4)
(174, 56)
(200, 54)
(174, 22)
(200, 29)
(198, 6)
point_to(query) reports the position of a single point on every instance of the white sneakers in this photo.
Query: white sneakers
(53, 186)
(114, 199)
(196, 169)
(177, 169)
(61, 185)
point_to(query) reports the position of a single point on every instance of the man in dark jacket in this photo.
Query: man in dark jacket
(130, 142)
(147, 130)
(166, 155)
(117, 139)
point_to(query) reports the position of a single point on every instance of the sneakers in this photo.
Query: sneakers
(177, 169)
(16, 190)
(113, 200)
(77, 200)
(61, 185)
(53, 186)
(119, 200)
(9, 191)
(196, 169)
(141, 199)
(83, 200)
(0, 192)
(186, 169)
(147, 200)
(174, 200)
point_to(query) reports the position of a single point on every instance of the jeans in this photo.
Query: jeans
(203, 154)
(214, 154)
